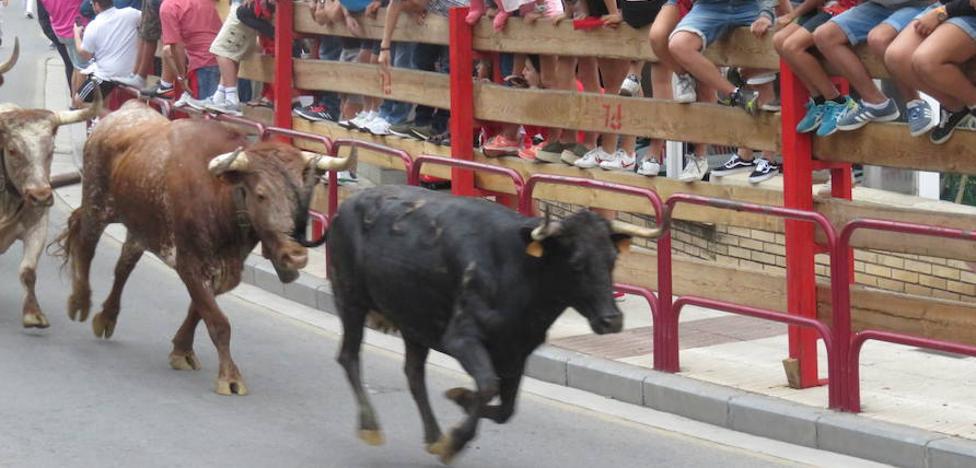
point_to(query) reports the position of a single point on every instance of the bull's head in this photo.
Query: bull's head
(580, 252)
(275, 183)
(6, 66)
(27, 140)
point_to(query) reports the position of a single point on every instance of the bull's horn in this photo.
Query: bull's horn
(233, 161)
(13, 58)
(620, 227)
(328, 163)
(548, 228)
(80, 115)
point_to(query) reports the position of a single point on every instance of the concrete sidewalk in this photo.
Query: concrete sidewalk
(916, 410)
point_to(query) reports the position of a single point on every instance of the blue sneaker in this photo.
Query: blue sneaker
(813, 117)
(832, 113)
(861, 115)
(921, 118)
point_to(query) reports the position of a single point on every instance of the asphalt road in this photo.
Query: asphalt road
(69, 399)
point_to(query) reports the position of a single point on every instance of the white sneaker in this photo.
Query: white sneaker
(649, 167)
(684, 88)
(226, 107)
(197, 104)
(593, 158)
(185, 100)
(630, 86)
(620, 161)
(378, 126)
(695, 170)
(349, 123)
(363, 119)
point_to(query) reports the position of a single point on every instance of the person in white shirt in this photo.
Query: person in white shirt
(111, 42)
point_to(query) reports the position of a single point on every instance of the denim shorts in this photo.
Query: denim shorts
(860, 20)
(966, 23)
(711, 20)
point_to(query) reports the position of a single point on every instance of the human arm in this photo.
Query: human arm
(931, 20)
(806, 7)
(389, 25)
(613, 18)
(80, 43)
(247, 16)
(766, 18)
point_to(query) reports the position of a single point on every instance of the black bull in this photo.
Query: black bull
(468, 278)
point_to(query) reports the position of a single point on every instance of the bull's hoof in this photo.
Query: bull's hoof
(102, 327)
(444, 449)
(372, 437)
(183, 361)
(78, 307)
(231, 387)
(35, 320)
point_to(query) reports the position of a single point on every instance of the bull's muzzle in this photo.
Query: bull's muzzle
(40, 196)
(611, 323)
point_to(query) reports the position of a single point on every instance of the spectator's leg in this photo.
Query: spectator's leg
(330, 48)
(939, 60)
(589, 76)
(425, 59)
(566, 80)
(665, 22)
(686, 48)
(835, 45)
(879, 40)
(796, 49)
(613, 72)
(898, 60)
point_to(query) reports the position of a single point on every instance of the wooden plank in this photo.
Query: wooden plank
(257, 67)
(842, 211)
(434, 30)
(913, 315)
(891, 145)
(704, 123)
(419, 87)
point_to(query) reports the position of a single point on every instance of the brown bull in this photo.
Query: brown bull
(185, 195)
(26, 151)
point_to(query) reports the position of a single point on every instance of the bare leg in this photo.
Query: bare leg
(182, 357)
(103, 323)
(33, 245)
(833, 44)
(416, 357)
(796, 50)
(879, 40)
(665, 22)
(228, 72)
(686, 48)
(938, 61)
(613, 72)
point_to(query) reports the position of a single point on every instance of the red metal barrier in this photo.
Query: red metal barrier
(413, 177)
(260, 128)
(837, 346)
(841, 286)
(164, 106)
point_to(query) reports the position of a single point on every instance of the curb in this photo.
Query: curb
(722, 406)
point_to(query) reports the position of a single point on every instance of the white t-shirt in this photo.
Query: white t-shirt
(113, 38)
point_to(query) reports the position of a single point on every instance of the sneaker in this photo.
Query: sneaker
(422, 133)
(813, 117)
(227, 107)
(619, 161)
(948, 123)
(695, 170)
(315, 113)
(649, 167)
(402, 129)
(593, 158)
(860, 115)
(765, 170)
(551, 152)
(921, 119)
(573, 153)
(159, 91)
(347, 123)
(631, 86)
(378, 126)
(832, 114)
(363, 119)
(684, 88)
(734, 165)
(531, 153)
(499, 146)
(746, 99)
(185, 100)
(772, 106)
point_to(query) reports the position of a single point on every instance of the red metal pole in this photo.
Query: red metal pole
(801, 279)
(462, 100)
(284, 37)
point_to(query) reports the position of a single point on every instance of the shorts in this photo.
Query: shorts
(640, 13)
(711, 21)
(76, 60)
(966, 23)
(813, 20)
(860, 20)
(598, 8)
(235, 41)
(87, 90)
(150, 29)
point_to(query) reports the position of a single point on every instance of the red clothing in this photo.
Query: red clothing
(63, 14)
(193, 23)
(836, 7)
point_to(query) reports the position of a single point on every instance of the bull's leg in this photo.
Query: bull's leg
(33, 245)
(462, 341)
(84, 230)
(182, 357)
(229, 380)
(103, 323)
(416, 358)
(353, 320)
(508, 392)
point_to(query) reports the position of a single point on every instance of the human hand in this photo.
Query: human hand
(78, 29)
(555, 20)
(927, 23)
(531, 17)
(386, 77)
(612, 20)
(354, 27)
(784, 20)
(373, 9)
(760, 26)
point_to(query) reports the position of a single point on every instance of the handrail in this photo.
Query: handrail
(414, 174)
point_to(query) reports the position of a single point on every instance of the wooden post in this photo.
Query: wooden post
(284, 64)
(462, 100)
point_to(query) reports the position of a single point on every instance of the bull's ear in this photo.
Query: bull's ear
(533, 248)
(621, 241)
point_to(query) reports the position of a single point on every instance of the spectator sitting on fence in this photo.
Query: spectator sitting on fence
(189, 27)
(236, 40)
(878, 21)
(429, 123)
(150, 31)
(326, 104)
(795, 45)
(930, 56)
(706, 23)
(110, 42)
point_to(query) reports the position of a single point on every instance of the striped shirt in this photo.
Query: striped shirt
(441, 7)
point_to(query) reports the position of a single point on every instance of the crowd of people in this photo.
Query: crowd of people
(925, 46)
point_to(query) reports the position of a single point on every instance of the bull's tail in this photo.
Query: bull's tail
(61, 246)
(380, 323)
